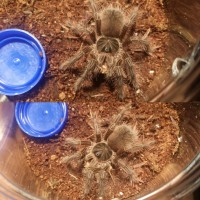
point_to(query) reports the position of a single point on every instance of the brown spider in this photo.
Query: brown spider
(105, 49)
(98, 158)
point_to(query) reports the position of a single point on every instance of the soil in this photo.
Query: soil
(155, 121)
(43, 18)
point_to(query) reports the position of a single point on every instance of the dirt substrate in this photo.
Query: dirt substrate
(43, 18)
(155, 121)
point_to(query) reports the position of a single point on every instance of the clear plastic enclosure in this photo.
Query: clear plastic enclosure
(178, 179)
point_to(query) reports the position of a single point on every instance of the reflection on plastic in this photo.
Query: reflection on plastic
(185, 85)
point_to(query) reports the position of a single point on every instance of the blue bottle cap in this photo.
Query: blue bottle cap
(41, 119)
(22, 61)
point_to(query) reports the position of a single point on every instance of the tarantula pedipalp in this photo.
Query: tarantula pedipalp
(105, 49)
(98, 158)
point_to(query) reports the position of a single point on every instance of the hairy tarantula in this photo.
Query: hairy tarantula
(98, 158)
(105, 49)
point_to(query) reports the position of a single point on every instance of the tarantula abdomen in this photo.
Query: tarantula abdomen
(125, 138)
(112, 22)
(122, 138)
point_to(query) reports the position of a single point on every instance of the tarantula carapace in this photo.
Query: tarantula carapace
(98, 158)
(105, 49)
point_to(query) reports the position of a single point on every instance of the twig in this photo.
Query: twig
(73, 176)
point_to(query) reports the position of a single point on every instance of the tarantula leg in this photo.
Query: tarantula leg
(143, 44)
(95, 126)
(73, 141)
(68, 159)
(144, 37)
(75, 58)
(78, 156)
(129, 27)
(96, 17)
(116, 121)
(89, 68)
(88, 176)
(119, 82)
(79, 32)
(123, 32)
(134, 15)
(111, 176)
(94, 9)
(139, 145)
(101, 177)
(131, 174)
(98, 27)
(130, 71)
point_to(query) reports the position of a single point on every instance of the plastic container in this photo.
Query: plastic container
(184, 34)
(41, 120)
(22, 60)
(177, 180)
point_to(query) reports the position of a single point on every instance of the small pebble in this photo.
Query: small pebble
(57, 30)
(58, 41)
(151, 72)
(5, 21)
(138, 91)
(157, 125)
(53, 157)
(180, 139)
(62, 96)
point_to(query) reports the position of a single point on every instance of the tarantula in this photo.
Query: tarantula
(105, 49)
(98, 158)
